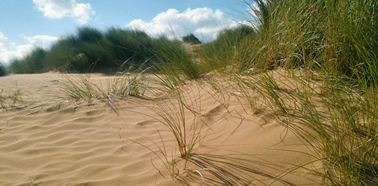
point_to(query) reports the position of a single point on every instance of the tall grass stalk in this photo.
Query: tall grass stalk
(181, 115)
(188, 134)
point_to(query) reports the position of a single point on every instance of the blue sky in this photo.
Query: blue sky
(25, 24)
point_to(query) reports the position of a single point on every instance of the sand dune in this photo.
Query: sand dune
(49, 140)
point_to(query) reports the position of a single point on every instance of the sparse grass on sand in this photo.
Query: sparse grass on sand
(11, 98)
(120, 86)
(181, 115)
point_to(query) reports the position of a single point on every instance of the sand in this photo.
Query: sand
(52, 140)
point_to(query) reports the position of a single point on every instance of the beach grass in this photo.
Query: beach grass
(122, 85)
(11, 98)
(3, 70)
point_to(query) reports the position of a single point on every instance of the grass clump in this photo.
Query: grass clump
(227, 50)
(317, 34)
(10, 99)
(88, 49)
(3, 71)
(335, 41)
(173, 60)
(181, 115)
(337, 119)
(106, 52)
(187, 135)
(132, 45)
(120, 86)
(32, 63)
(191, 39)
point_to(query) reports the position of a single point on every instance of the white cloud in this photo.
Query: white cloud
(204, 23)
(41, 39)
(17, 52)
(2, 36)
(58, 9)
(14, 51)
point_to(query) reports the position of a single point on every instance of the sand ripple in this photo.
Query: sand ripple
(52, 142)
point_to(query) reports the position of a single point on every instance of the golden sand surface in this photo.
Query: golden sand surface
(51, 140)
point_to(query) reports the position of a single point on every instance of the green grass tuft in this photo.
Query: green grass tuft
(3, 71)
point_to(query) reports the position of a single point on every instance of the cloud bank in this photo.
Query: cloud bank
(58, 9)
(204, 23)
(14, 51)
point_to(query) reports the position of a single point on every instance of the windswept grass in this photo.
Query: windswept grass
(330, 100)
(32, 63)
(334, 117)
(136, 46)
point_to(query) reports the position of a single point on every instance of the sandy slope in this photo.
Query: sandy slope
(53, 141)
